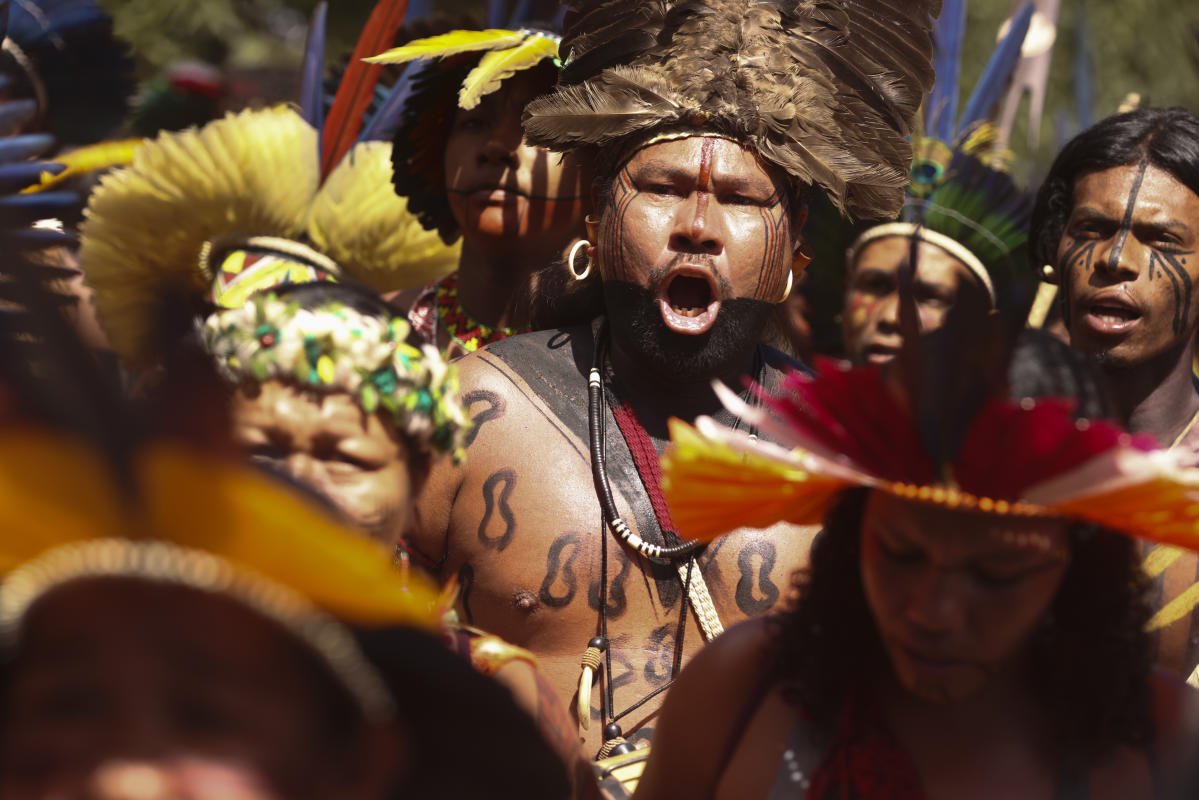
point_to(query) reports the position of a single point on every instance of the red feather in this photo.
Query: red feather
(353, 97)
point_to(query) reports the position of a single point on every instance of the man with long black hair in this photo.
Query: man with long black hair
(1116, 226)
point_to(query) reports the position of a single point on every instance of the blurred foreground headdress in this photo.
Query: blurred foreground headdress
(63, 54)
(87, 491)
(255, 200)
(826, 90)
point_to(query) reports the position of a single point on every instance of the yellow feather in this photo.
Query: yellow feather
(88, 159)
(448, 44)
(500, 65)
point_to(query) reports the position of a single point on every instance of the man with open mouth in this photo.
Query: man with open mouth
(692, 125)
(1116, 226)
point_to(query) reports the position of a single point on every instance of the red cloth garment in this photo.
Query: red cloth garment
(864, 761)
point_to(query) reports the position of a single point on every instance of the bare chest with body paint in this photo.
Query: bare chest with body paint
(519, 526)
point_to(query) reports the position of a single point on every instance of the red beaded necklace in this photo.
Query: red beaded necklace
(469, 333)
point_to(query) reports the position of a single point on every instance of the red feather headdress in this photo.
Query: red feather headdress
(846, 428)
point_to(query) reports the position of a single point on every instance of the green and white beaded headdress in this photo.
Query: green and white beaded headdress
(335, 348)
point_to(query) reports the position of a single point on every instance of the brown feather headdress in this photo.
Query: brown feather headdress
(825, 89)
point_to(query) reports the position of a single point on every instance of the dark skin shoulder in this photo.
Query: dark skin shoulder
(715, 696)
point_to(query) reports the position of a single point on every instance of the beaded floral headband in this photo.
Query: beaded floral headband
(335, 348)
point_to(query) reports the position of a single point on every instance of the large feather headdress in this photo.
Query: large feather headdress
(827, 90)
(177, 217)
(960, 195)
(937, 427)
(256, 200)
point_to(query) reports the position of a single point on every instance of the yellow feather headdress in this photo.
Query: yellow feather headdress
(198, 521)
(505, 53)
(149, 227)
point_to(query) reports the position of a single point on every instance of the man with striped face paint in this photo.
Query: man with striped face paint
(1116, 227)
(695, 245)
(555, 525)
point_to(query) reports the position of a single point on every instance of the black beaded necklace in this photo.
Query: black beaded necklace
(614, 742)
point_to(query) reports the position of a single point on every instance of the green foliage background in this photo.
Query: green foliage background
(1146, 46)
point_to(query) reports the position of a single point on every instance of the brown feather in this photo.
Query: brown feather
(825, 89)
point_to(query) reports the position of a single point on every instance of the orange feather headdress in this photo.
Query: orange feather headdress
(845, 428)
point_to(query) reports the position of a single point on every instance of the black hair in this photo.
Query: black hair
(1042, 365)
(1090, 662)
(1166, 138)
(318, 293)
(418, 150)
(468, 736)
(1090, 665)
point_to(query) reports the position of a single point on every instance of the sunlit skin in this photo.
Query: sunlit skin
(870, 320)
(956, 596)
(504, 192)
(516, 523)
(358, 461)
(519, 208)
(1129, 267)
(703, 209)
(125, 690)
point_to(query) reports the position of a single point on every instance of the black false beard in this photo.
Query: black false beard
(636, 324)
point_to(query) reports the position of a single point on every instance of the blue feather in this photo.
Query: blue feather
(495, 13)
(941, 107)
(32, 21)
(419, 9)
(521, 13)
(86, 71)
(994, 80)
(1084, 78)
(312, 105)
(387, 118)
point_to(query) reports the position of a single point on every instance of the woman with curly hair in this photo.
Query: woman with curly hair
(965, 628)
(461, 161)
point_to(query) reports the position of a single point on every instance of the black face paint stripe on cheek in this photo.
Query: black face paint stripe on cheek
(1175, 270)
(1081, 251)
(1113, 259)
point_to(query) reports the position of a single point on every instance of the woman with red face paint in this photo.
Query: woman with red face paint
(461, 160)
(965, 628)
